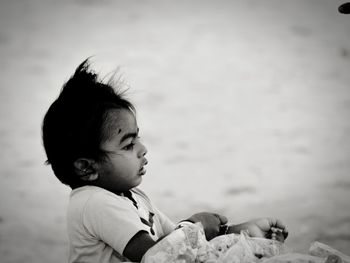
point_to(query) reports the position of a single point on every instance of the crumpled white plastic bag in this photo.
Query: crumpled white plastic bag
(188, 244)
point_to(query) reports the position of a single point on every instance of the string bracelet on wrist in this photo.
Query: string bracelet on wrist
(223, 229)
(183, 224)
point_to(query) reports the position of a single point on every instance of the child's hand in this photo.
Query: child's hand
(263, 227)
(211, 223)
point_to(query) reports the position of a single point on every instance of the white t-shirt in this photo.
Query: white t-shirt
(101, 223)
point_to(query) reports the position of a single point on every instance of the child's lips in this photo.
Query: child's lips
(142, 170)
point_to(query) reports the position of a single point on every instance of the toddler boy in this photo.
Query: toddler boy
(92, 142)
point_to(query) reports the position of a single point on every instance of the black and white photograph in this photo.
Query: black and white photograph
(163, 131)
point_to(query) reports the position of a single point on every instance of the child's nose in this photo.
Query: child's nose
(143, 151)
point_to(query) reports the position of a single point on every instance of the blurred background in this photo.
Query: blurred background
(244, 107)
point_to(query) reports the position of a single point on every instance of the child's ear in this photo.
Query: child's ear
(86, 169)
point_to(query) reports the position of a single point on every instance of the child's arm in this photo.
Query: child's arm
(262, 227)
(138, 246)
(211, 223)
(141, 242)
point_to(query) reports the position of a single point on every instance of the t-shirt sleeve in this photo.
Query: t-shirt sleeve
(167, 225)
(112, 219)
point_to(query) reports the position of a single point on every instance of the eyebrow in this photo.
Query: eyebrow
(129, 135)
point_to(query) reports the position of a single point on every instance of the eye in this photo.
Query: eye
(129, 147)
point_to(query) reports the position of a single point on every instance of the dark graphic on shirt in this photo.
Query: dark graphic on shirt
(129, 195)
(149, 222)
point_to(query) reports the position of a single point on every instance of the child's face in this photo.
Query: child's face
(124, 166)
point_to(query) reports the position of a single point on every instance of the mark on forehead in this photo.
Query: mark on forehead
(119, 131)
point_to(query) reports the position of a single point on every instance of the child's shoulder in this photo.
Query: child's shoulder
(93, 196)
(88, 192)
(97, 199)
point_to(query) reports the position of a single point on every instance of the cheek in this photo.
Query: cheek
(124, 164)
(121, 166)
(128, 157)
(110, 166)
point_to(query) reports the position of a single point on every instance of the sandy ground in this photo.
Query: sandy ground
(244, 107)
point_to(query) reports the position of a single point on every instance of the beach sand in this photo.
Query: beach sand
(243, 105)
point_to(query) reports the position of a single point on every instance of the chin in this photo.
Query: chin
(137, 183)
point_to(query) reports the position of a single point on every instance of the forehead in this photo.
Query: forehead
(119, 122)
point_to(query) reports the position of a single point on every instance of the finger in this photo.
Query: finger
(280, 225)
(223, 219)
(280, 237)
(282, 231)
(275, 235)
(277, 223)
(268, 235)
